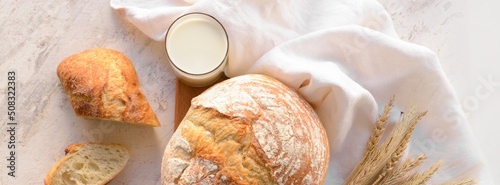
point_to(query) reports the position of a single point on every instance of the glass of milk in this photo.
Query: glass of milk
(197, 46)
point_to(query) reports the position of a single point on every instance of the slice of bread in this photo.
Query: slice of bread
(89, 163)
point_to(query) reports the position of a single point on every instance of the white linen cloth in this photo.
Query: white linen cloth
(345, 58)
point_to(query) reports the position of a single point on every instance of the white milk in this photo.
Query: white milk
(197, 47)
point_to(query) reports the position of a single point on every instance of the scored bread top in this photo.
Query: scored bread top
(102, 84)
(250, 129)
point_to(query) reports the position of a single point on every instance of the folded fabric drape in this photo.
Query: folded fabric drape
(345, 58)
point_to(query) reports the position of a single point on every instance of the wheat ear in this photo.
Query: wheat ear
(363, 169)
(409, 123)
(425, 176)
(406, 166)
(379, 129)
(381, 162)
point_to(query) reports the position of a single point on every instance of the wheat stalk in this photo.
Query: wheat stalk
(381, 162)
(381, 159)
(401, 147)
(405, 167)
(379, 129)
(426, 175)
(363, 169)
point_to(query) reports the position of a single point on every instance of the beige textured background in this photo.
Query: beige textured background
(36, 35)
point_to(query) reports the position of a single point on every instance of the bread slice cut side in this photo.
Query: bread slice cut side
(89, 163)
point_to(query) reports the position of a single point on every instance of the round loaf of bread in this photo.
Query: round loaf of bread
(249, 129)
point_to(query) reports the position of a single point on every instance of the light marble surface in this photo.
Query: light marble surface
(37, 35)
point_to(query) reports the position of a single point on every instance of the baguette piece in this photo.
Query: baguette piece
(102, 84)
(249, 129)
(89, 163)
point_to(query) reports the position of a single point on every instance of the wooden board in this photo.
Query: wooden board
(183, 95)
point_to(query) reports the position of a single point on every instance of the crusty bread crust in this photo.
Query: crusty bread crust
(250, 129)
(73, 148)
(102, 84)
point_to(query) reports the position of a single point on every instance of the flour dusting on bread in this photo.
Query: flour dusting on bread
(261, 132)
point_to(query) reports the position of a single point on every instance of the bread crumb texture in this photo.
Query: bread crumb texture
(89, 163)
(250, 129)
(102, 84)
